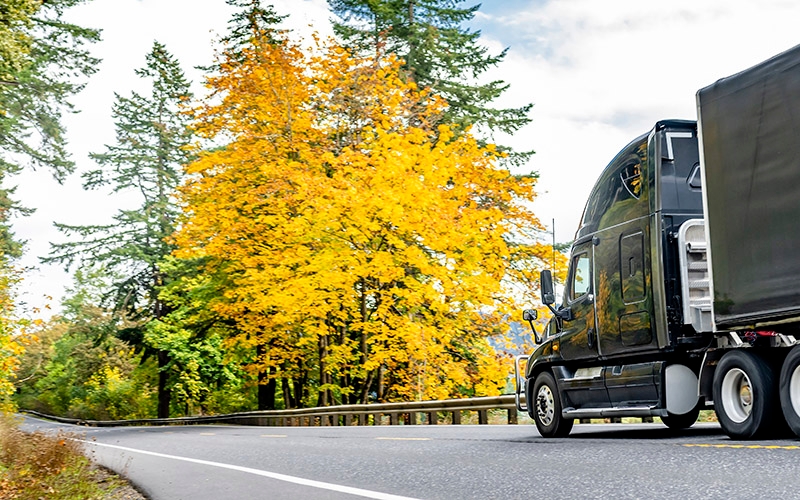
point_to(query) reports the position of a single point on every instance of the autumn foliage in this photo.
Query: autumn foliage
(355, 249)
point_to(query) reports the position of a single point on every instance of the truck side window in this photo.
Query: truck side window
(581, 276)
(631, 176)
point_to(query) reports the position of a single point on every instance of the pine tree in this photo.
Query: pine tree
(37, 86)
(41, 56)
(439, 53)
(151, 146)
(252, 24)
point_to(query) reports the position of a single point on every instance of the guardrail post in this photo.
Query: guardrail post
(412, 418)
(512, 416)
(348, 419)
(433, 418)
(483, 417)
(393, 418)
(376, 418)
(457, 417)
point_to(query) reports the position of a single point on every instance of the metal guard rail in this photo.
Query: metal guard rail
(358, 414)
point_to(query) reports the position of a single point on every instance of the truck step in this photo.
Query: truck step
(627, 411)
(699, 284)
(700, 265)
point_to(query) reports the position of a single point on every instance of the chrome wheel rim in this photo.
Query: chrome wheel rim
(794, 390)
(545, 405)
(737, 395)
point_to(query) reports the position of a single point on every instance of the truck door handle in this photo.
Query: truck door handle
(590, 334)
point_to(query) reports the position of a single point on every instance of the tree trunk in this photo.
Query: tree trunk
(266, 391)
(266, 385)
(364, 396)
(164, 392)
(381, 387)
(288, 399)
(322, 397)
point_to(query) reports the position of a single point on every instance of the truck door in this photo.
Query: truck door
(579, 335)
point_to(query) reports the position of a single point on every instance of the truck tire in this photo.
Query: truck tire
(745, 395)
(683, 421)
(790, 389)
(546, 408)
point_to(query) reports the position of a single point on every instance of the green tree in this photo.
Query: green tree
(251, 24)
(206, 374)
(78, 366)
(41, 57)
(439, 53)
(46, 57)
(152, 145)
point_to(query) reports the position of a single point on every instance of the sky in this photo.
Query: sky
(598, 73)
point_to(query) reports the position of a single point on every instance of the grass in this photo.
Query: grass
(52, 466)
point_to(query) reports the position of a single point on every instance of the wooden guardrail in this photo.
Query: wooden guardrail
(411, 413)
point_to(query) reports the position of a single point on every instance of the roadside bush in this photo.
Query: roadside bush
(38, 465)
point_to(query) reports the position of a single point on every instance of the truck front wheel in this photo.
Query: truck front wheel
(790, 389)
(745, 395)
(546, 408)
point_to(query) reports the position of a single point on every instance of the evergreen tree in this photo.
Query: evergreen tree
(37, 83)
(252, 24)
(40, 58)
(152, 139)
(439, 53)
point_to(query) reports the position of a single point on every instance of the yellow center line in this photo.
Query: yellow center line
(748, 446)
(207, 434)
(401, 439)
(273, 435)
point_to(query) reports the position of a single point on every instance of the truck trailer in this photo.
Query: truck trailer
(683, 286)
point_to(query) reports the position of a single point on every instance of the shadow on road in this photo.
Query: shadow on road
(655, 431)
(704, 432)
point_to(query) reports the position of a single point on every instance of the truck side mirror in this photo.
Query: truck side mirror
(530, 316)
(546, 285)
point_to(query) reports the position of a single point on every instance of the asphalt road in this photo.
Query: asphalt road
(617, 461)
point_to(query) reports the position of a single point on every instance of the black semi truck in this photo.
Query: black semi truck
(683, 289)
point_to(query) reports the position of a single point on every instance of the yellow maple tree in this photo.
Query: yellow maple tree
(367, 253)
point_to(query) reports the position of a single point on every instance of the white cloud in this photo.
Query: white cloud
(601, 73)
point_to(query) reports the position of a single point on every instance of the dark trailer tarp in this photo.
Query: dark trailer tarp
(750, 129)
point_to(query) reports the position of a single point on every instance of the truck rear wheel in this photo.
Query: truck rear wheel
(745, 395)
(790, 389)
(546, 408)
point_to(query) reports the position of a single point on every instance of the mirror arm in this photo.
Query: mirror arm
(563, 313)
(536, 337)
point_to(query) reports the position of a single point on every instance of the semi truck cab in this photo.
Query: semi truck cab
(682, 286)
(621, 329)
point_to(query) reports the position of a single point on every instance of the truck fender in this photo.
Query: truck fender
(705, 381)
